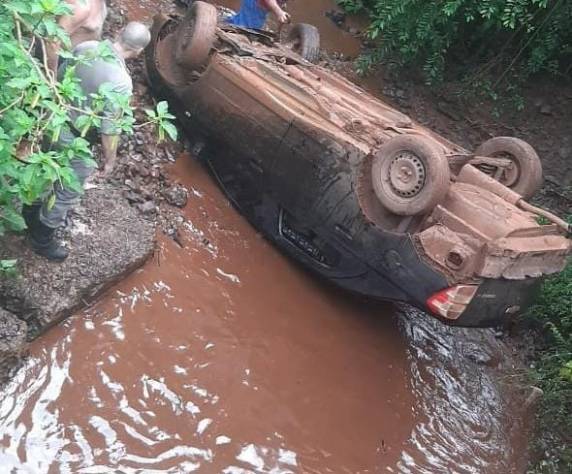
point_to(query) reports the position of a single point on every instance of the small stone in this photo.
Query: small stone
(132, 197)
(148, 207)
(176, 195)
(141, 171)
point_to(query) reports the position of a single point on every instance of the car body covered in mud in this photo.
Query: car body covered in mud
(352, 188)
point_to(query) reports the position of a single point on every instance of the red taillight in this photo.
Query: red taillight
(451, 302)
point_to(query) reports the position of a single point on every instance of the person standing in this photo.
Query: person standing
(93, 71)
(254, 13)
(84, 23)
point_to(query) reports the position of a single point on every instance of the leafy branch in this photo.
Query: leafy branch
(36, 107)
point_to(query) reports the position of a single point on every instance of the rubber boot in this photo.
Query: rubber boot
(31, 214)
(42, 237)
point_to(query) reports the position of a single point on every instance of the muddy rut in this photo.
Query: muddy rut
(221, 355)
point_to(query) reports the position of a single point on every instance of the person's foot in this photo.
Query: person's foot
(107, 171)
(41, 237)
(51, 250)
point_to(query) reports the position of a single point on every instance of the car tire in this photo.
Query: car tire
(304, 39)
(410, 175)
(526, 176)
(196, 35)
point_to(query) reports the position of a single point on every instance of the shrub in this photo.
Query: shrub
(34, 108)
(498, 36)
(553, 371)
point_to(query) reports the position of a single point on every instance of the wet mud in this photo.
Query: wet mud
(221, 355)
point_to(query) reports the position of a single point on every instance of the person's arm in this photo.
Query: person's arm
(274, 8)
(110, 129)
(109, 145)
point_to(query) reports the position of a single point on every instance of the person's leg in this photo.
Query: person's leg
(65, 198)
(43, 220)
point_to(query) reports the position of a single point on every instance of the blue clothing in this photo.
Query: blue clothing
(250, 15)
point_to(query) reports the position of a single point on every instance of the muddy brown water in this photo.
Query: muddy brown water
(224, 356)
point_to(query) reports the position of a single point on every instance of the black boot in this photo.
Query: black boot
(31, 214)
(42, 237)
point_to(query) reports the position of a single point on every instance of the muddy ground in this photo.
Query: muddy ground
(108, 239)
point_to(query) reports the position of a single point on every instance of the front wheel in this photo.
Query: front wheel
(304, 39)
(410, 175)
(196, 35)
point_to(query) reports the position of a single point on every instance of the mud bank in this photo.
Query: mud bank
(107, 239)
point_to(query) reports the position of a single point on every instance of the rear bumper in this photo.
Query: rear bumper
(498, 301)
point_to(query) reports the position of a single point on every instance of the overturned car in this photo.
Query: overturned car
(350, 187)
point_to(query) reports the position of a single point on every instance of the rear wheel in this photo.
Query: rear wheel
(524, 175)
(410, 175)
(304, 39)
(196, 35)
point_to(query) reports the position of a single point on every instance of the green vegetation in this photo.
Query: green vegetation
(553, 372)
(34, 109)
(488, 41)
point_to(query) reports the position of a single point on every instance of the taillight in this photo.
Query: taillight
(451, 302)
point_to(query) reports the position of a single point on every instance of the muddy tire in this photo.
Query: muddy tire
(525, 177)
(196, 36)
(304, 40)
(410, 175)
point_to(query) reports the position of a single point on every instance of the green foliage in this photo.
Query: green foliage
(161, 118)
(8, 268)
(487, 36)
(553, 371)
(34, 109)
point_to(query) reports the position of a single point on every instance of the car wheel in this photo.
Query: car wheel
(525, 174)
(410, 175)
(196, 35)
(304, 40)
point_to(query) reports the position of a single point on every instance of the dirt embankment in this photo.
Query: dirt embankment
(107, 238)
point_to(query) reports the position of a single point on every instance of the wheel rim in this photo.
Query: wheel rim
(407, 174)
